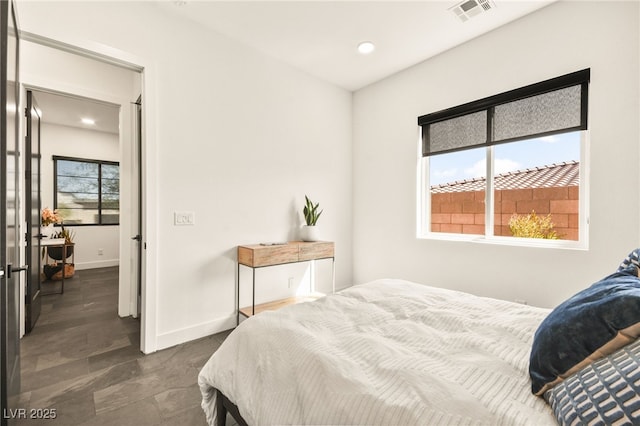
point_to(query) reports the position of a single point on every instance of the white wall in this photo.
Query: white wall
(81, 143)
(561, 38)
(233, 136)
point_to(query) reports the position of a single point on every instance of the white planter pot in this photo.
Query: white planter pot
(309, 233)
(47, 231)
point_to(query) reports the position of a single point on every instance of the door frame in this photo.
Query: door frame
(149, 189)
(138, 224)
(126, 165)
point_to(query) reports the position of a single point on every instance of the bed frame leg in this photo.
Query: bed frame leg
(221, 410)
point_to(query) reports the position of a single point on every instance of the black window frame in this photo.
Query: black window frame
(488, 104)
(485, 138)
(100, 163)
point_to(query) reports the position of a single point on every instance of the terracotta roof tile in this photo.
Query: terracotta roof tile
(563, 174)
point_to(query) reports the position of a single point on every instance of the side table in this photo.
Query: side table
(257, 256)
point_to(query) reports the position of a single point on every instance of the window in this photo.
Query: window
(87, 192)
(511, 165)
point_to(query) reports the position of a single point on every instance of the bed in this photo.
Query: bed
(393, 352)
(389, 352)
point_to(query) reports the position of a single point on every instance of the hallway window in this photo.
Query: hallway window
(87, 192)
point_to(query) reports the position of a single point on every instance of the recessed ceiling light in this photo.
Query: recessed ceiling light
(89, 121)
(366, 47)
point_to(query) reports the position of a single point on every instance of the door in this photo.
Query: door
(9, 235)
(138, 195)
(32, 208)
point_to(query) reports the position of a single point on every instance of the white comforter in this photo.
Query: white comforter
(389, 352)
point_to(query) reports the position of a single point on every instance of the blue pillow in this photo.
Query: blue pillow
(590, 325)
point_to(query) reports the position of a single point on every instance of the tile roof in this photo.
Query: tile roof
(562, 174)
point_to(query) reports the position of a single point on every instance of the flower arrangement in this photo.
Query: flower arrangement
(50, 217)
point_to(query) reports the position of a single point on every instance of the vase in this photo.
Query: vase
(309, 233)
(47, 231)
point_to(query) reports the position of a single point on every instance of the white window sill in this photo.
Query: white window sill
(506, 241)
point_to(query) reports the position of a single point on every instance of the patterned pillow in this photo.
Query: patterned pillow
(632, 259)
(603, 393)
(590, 325)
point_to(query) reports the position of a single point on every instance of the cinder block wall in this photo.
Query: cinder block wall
(463, 212)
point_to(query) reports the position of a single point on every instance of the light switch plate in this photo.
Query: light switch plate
(184, 218)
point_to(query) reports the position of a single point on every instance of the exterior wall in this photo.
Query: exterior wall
(458, 212)
(464, 212)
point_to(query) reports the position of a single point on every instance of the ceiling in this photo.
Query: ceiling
(320, 37)
(69, 111)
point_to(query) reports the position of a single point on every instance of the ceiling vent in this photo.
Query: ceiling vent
(470, 8)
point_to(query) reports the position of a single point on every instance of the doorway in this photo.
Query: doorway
(104, 90)
(73, 171)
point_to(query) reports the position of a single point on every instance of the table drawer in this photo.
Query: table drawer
(316, 250)
(256, 256)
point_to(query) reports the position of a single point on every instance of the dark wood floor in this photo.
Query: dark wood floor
(84, 361)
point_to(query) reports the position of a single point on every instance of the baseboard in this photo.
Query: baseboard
(97, 264)
(172, 338)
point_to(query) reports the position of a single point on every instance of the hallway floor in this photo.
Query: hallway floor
(84, 361)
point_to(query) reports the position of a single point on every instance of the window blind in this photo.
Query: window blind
(553, 106)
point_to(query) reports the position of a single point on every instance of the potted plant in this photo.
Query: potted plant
(54, 271)
(56, 252)
(310, 232)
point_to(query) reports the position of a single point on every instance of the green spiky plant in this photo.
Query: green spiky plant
(310, 211)
(66, 234)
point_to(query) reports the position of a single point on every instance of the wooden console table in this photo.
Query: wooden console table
(256, 256)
